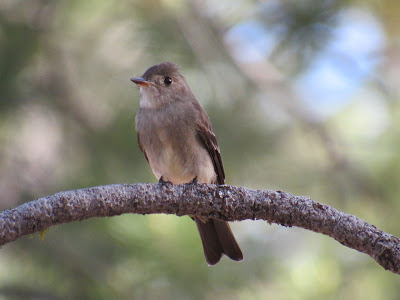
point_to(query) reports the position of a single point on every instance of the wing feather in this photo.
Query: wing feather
(141, 146)
(209, 140)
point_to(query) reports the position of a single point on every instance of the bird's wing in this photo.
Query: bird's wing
(207, 137)
(141, 146)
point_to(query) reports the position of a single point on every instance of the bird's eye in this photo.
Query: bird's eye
(167, 80)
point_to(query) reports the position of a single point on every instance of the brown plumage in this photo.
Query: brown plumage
(177, 139)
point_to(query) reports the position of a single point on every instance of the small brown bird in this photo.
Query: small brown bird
(175, 135)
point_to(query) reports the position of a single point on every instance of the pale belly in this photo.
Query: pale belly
(177, 169)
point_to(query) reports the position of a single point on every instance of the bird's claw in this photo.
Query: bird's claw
(194, 181)
(162, 182)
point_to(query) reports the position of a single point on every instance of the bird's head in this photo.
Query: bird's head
(162, 84)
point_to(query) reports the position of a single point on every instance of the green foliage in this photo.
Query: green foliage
(67, 121)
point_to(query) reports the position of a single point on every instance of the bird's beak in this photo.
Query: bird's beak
(141, 82)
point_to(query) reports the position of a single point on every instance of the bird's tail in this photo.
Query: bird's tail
(217, 239)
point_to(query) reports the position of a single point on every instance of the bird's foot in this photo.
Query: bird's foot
(162, 182)
(194, 181)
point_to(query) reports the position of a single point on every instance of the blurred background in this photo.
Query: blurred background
(303, 96)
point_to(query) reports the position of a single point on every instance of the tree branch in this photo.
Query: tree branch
(224, 202)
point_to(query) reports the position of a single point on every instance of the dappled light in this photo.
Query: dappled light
(303, 97)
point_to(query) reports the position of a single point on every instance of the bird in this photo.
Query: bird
(175, 135)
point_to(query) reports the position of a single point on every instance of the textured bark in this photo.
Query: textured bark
(224, 202)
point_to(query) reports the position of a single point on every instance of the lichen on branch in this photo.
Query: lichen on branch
(225, 202)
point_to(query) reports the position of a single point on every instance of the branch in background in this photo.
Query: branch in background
(264, 76)
(224, 202)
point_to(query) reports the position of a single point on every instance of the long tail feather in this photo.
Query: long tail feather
(217, 239)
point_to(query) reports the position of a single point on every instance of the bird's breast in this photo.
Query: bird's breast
(173, 148)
